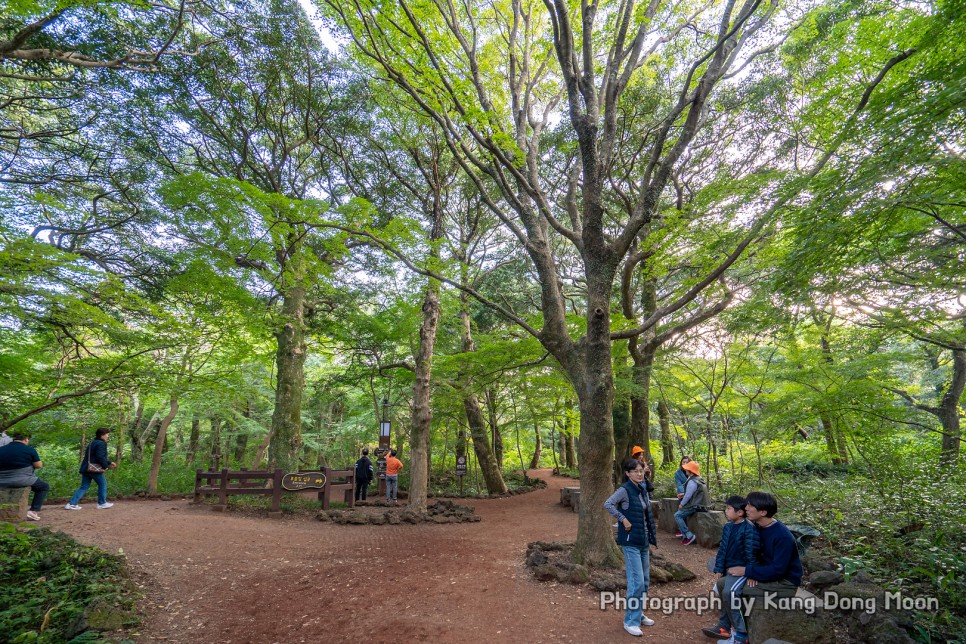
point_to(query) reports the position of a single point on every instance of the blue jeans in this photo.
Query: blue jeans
(681, 518)
(392, 487)
(637, 565)
(86, 479)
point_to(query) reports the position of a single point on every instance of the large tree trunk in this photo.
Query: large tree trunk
(590, 368)
(492, 475)
(570, 454)
(286, 445)
(159, 443)
(422, 411)
(216, 454)
(140, 439)
(494, 423)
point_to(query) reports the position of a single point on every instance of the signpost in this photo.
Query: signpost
(295, 481)
(461, 470)
(385, 431)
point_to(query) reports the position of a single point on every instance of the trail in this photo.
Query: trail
(226, 577)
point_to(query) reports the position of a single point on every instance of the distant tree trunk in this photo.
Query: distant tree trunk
(494, 423)
(570, 453)
(139, 440)
(537, 448)
(667, 445)
(193, 439)
(159, 443)
(260, 452)
(950, 410)
(622, 427)
(216, 456)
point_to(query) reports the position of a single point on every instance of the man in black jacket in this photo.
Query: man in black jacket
(363, 475)
(18, 461)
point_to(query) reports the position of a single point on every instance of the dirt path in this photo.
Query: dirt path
(216, 577)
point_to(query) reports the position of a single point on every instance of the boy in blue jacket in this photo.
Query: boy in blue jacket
(739, 547)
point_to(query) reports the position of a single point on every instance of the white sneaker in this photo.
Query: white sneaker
(33, 516)
(633, 630)
(646, 621)
(104, 506)
(71, 506)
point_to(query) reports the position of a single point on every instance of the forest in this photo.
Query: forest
(532, 233)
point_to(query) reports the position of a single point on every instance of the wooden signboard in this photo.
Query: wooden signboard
(460, 466)
(295, 481)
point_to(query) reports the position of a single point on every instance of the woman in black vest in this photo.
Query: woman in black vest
(631, 507)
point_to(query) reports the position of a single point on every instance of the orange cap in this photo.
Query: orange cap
(693, 467)
(637, 449)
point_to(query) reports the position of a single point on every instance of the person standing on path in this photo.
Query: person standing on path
(393, 467)
(636, 533)
(363, 475)
(18, 462)
(95, 453)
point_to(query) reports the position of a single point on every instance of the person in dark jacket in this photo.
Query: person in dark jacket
(778, 571)
(18, 462)
(636, 533)
(739, 547)
(96, 453)
(363, 475)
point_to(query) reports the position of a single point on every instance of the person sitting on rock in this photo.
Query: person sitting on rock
(18, 461)
(739, 547)
(695, 499)
(779, 570)
(681, 476)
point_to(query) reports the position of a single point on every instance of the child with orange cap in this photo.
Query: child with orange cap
(637, 453)
(694, 500)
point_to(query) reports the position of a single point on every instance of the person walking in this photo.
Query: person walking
(363, 475)
(636, 533)
(18, 464)
(393, 467)
(95, 454)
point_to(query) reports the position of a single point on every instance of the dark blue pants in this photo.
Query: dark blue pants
(40, 490)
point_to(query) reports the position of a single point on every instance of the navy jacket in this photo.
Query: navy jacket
(631, 501)
(739, 546)
(97, 451)
(779, 556)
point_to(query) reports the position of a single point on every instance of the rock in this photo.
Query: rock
(546, 572)
(440, 518)
(357, 518)
(814, 563)
(549, 546)
(825, 578)
(862, 577)
(392, 518)
(579, 575)
(536, 558)
(790, 622)
(606, 584)
(102, 616)
(377, 519)
(474, 518)
(679, 572)
(659, 575)
(666, 515)
(707, 526)
(322, 515)
(14, 502)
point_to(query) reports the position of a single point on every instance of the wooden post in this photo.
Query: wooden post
(223, 489)
(276, 495)
(197, 498)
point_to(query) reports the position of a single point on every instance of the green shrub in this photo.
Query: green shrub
(53, 589)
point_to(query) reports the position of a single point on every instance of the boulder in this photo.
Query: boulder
(357, 518)
(665, 516)
(14, 502)
(825, 578)
(794, 619)
(707, 526)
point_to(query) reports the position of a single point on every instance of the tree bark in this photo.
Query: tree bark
(286, 446)
(949, 411)
(537, 448)
(494, 423)
(193, 439)
(667, 445)
(159, 443)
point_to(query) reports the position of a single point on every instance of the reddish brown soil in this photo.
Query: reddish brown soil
(226, 577)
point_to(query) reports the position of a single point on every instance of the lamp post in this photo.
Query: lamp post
(385, 427)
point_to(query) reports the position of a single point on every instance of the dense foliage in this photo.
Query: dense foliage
(56, 590)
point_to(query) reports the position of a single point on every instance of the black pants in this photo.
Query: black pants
(362, 487)
(40, 490)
